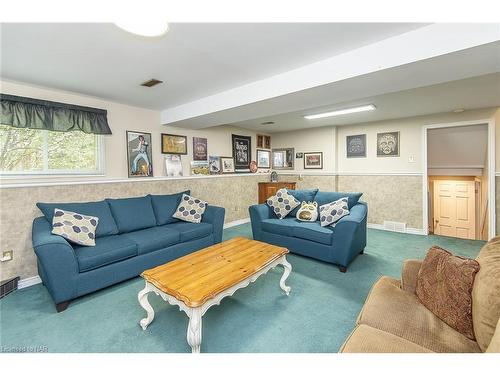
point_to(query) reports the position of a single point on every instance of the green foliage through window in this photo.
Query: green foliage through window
(42, 151)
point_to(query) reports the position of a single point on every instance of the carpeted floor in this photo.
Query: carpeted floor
(316, 317)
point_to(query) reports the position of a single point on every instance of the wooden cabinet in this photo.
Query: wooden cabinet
(268, 189)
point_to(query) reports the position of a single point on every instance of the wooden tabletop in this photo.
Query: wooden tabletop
(199, 276)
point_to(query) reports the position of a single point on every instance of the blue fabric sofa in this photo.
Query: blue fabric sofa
(338, 245)
(132, 235)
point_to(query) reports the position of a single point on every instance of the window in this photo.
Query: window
(30, 151)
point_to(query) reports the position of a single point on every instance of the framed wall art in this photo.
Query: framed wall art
(388, 144)
(264, 159)
(313, 160)
(283, 158)
(227, 164)
(173, 166)
(214, 164)
(173, 144)
(242, 152)
(139, 154)
(200, 149)
(356, 146)
(199, 167)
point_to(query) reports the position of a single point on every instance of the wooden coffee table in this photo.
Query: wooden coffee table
(202, 279)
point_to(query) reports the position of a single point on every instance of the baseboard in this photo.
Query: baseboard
(236, 222)
(29, 281)
(408, 230)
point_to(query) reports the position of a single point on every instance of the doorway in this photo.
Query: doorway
(458, 180)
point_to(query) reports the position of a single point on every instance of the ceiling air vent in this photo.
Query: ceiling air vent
(152, 82)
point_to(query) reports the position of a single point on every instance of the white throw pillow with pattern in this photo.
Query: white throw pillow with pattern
(332, 212)
(75, 227)
(282, 203)
(190, 209)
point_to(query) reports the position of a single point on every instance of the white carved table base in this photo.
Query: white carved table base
(195, 313)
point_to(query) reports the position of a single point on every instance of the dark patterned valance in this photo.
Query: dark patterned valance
(22, 112)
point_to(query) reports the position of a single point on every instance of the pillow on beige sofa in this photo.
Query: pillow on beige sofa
(444, 286)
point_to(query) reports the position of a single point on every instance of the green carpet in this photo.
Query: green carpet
(317, 316)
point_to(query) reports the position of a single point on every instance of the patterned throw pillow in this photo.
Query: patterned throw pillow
(190, 209)
(332, 212)
(282, 203)
(75, 227)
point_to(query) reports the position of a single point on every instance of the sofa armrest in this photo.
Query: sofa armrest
(258, 213)
(215, 216)
(57, 259)
(356, 214)
(409, 274)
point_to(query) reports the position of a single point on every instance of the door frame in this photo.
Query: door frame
(491, 171)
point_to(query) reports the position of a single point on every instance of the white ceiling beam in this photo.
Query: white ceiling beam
(420, 44)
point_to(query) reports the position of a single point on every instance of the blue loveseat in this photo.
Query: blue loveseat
(338, 245)
(132, 235)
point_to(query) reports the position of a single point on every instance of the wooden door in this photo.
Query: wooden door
(454, 209)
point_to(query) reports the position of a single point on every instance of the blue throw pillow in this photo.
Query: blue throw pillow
(302, 196)
(132, 213)
(106, 225)
(164, 206)
(324, 197)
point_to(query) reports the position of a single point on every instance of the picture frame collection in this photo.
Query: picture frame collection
(388, 145)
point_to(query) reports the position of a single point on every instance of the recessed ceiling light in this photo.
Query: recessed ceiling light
(346, 111)
(148, 27)
(152, 82)
(458, 110)
(267, 123)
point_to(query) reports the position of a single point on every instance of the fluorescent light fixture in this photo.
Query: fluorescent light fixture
(346, 111)
(144, 28)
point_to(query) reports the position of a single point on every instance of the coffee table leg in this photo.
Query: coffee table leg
(287, 269)
(143, 301)
(194, 330)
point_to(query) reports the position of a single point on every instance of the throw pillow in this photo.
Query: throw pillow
(75, 227)
(332, 212)
(190, 209)
(282, 203)
(308, 211)
(444, 286)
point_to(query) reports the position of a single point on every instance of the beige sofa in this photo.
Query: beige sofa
(394, 321)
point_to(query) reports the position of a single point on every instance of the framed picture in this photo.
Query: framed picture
(267, 142)
(173, 144)
(173, 166)
(388, 144)
(214, 164)
(242, 152)
(283, 158)
(200, 149)
(313, 160)
(263, 141)
(199, 167)
(299, 155)
(139, 154)
(227, 164)
(263, 159)
(356, 146)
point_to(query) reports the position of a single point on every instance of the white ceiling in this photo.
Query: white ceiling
(477, 92)
(194, 60)
(457, 147)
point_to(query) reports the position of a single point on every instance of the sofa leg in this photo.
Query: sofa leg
(62, 306)
(362, 251)
(342, 269)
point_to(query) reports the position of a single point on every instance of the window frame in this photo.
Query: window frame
(99, 171)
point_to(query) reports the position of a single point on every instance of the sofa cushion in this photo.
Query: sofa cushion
(302, 196)
(282, 203)
(444, 286)
(313, 231)
(283, 227)
(107, 250)
(132, 213)
(486, 293)
(192, 231)
(366, 339)
(164, 207)
(324, 197)
(391, 309)
(152, 239)
(190, 209)
(332, 212)
(107, 224)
